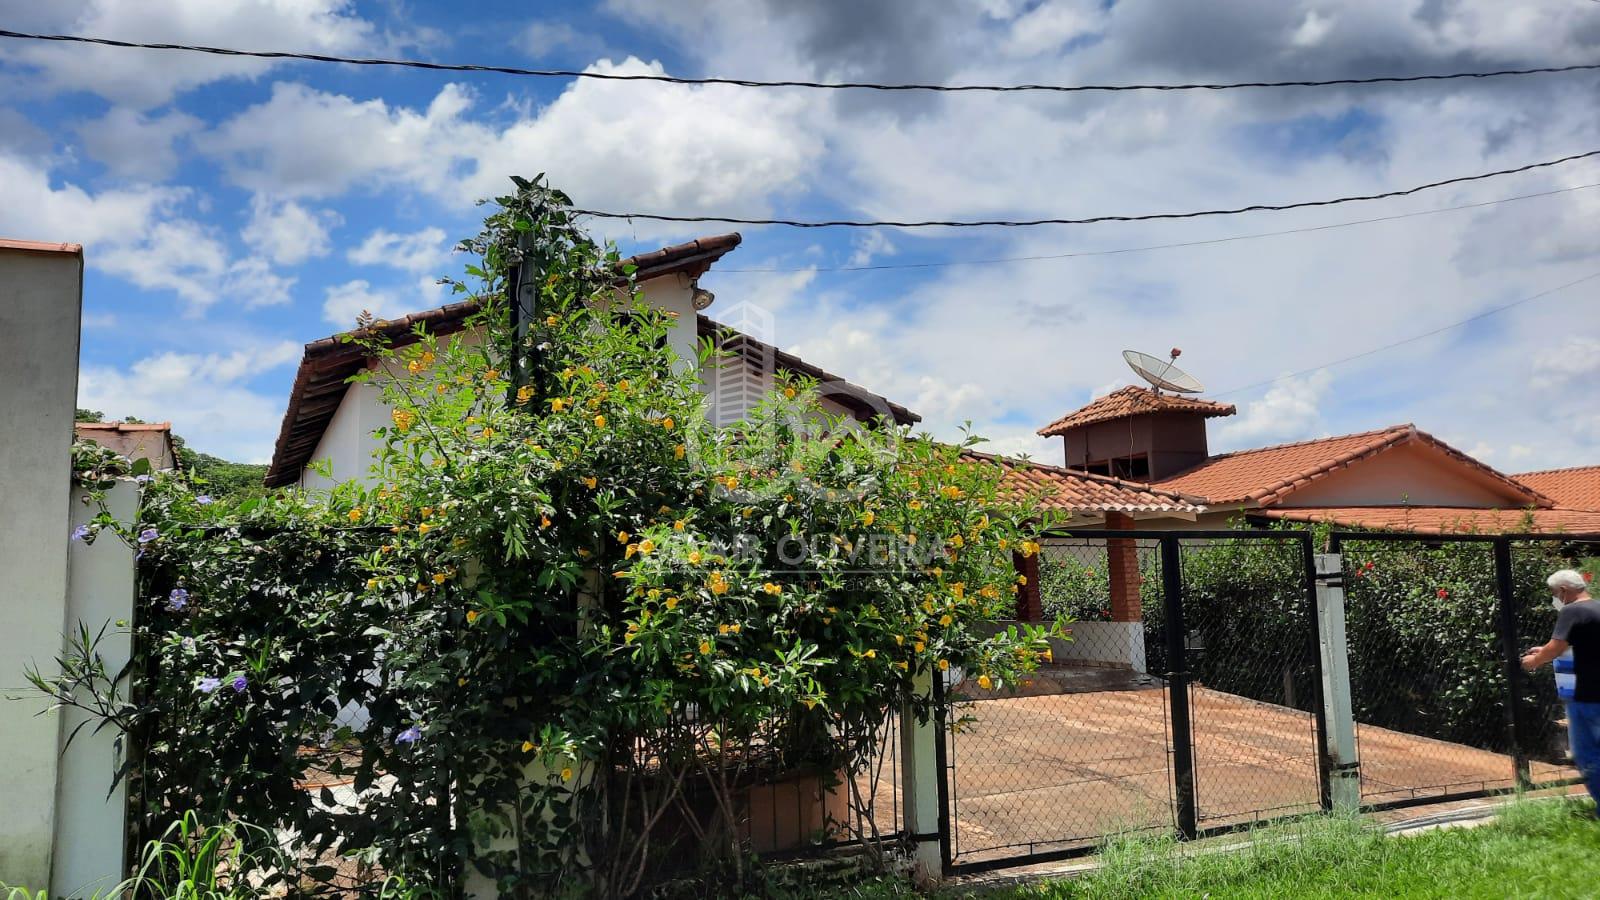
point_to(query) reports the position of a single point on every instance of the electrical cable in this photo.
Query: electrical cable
(756, 83)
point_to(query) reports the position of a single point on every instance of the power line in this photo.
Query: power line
(1090, 220)
(1414, 338)
(938, 264)
(755, 83)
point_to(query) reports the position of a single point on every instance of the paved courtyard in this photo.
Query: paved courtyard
(1056, 769)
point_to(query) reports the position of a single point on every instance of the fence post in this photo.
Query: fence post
(922, 785)
(1513, 658)
(1178, 688)
(1341, 761)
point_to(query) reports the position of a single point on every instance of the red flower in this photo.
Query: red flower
(1443, 593)
(1588, 576)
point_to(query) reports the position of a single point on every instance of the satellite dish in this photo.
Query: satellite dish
(1163, 373)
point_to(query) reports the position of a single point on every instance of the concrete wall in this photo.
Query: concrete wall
(1412, 474)
(348, 444)
(1117, 645)
(91, 818)
(40, 304)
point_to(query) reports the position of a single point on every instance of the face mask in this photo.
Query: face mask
(1558, 603)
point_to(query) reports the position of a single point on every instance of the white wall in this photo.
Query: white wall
(40, 303)
(348, 444)
(91, 819)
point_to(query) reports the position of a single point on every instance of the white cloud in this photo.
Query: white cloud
(182, 256)
(133, 145)
(344, 302)
(205, 396)
(870, 246)
(287, 232)
(1575, 358)
(1291, 410)
(699, 149)
(419, 252)
(146, 78)
(1313, 28)
(37, 210)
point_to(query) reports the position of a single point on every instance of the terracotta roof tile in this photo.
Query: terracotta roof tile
(1446, 519)
(1069, 490)
(122, 426)
(1130, 401)
(40, 246)
(1575, 488)
(1264, 476)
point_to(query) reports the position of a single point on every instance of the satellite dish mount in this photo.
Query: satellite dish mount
(1163, 373)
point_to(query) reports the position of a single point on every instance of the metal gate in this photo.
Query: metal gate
(1161, 714)
(1191, 698)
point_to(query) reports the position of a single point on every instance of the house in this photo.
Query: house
(1394, 478)
(134, 440)
(328, 418)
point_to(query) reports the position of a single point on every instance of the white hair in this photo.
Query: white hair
(1567, 578)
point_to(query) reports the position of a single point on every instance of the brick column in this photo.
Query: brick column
(1122, 558)
(1029, 608)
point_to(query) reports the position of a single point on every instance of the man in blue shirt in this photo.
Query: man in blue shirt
(1577, 627)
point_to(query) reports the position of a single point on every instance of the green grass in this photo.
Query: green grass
(1535, 850)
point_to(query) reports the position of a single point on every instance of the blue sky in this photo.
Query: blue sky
(235, 210)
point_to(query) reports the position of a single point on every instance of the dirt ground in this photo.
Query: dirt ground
(1054, 769)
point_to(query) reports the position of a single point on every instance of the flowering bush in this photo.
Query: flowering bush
(580, 620)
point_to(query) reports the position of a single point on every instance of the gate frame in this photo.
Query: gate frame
(1181, 742)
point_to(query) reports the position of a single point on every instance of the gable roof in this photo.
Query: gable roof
(135, 440)
(1445, 519)
(1071, 490)
(1574, 488)
(1130, 401)
(1264, 476)
(327, 364)
(40, 246)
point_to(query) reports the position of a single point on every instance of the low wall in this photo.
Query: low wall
(1117, 645)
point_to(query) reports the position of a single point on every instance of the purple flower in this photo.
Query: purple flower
(207, 685)
(204, 500)
(188, 643)
(409, 736)
(80, 533)
(239, 684)
(177, 600)
(148, 535)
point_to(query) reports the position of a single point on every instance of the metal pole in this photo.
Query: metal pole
(940, 735)
(524, 291)
(1178, 688)
(1513, 657)
(1341, 774)
(1308, 551)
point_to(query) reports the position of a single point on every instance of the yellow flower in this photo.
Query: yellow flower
(915, 504)
(355, 514)
(944, 665)
(695, 557)
(945, 620)
(678, 525)
(403, 419)
(424, 528)
(1029, 548)
(952, 492)
(647, 546)
(722, 629)
(629, 551)
(461, 682)
(599, 421)
(491, 375)
(959, 589)
(736, 628)
(557, 405)
(527, 746)
(672, 603)
(919, 646)
(773, 589)
(903, 666)
(552, 321)
(985, 682)
(668, 424)
(957, 541)
(524, 394)
(747, 512)
(705, 648)
(544, 521)
(718, 584)
(678, 451)
(810, 703)
(789, 393)
(622, 537)
(583, 552)
(439, 577)
(871, 654)
(911, 538)
(472, 616)
(590, 482)
(566, 773)
(868, 517)
(566, 373)
(900, 640)
(372, 583)
(426, 511)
